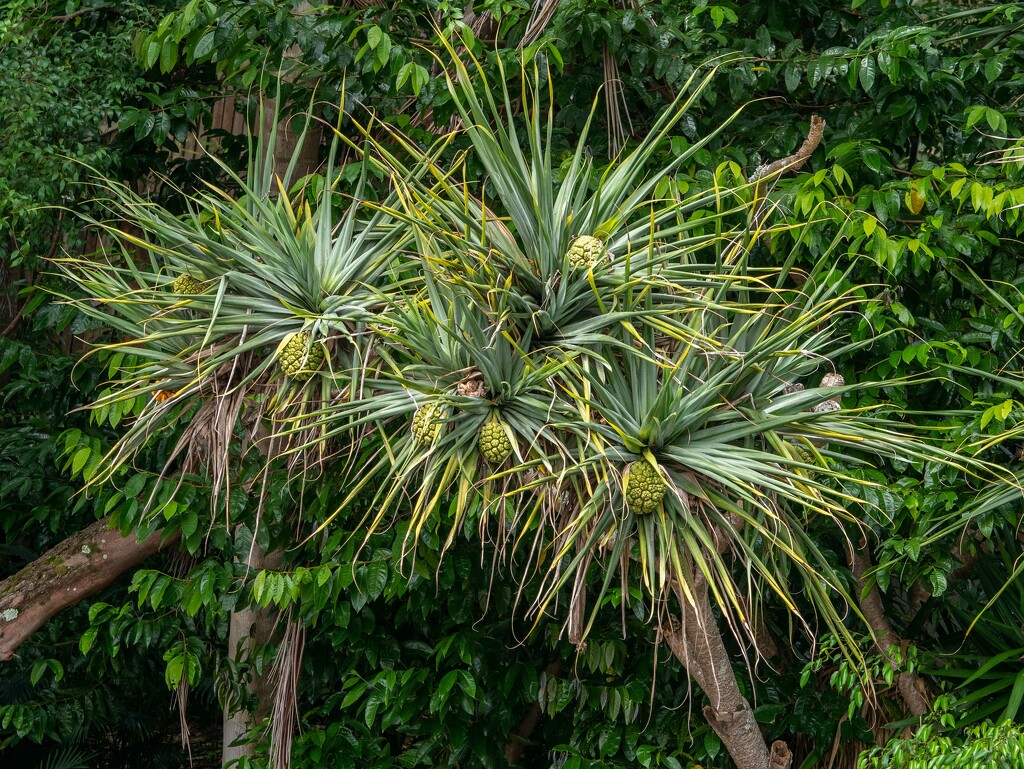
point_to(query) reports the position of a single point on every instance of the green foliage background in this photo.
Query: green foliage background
(919, 170)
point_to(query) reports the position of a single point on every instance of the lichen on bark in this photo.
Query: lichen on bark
(71, 570)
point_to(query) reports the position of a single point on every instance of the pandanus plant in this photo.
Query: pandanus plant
(601, 380)
(673, 413)
(251, 302)
(239, 320)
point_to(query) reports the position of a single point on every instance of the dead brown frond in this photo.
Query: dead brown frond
(284, 715)
(362, 5)
(540, 17)
(472, 385)
(615, 104)
(578, 607)
(181, 698)
(483, 25)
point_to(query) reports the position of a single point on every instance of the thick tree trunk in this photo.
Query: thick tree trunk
(81, 565)
(696, 642)
(250, 628)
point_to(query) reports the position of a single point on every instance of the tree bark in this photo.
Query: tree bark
(911, 687)
(81, 565)
(249, 629)
(697, 643)
(765, 174)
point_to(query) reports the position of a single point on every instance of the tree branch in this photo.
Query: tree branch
(911, 687)
(765, 174)
(84, 11)
(251, 628)
(697, 643)
(81, 565)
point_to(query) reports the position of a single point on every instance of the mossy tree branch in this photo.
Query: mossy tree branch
(75, 568)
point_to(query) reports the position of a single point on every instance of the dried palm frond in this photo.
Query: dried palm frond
(540, 17)
(615, 104)
(284, 714)
(181, 700)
